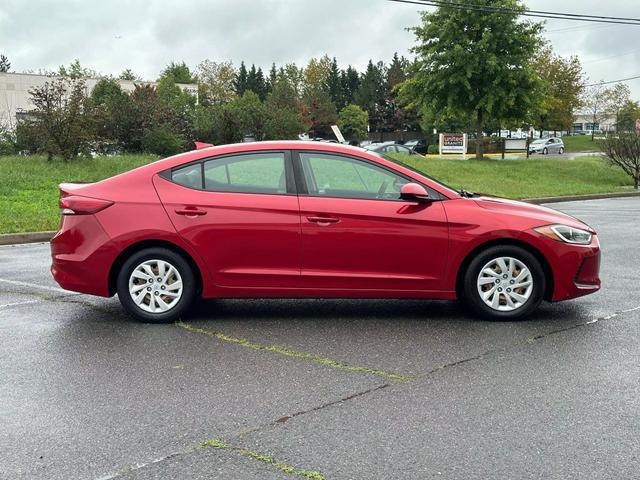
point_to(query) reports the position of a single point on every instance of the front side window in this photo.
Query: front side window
(247, 173)
(329, 175)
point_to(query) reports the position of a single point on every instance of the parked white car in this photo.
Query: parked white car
(546, 146)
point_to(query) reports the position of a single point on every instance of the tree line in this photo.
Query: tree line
(164, 118)
(475, 71)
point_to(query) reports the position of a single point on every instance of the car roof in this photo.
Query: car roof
(208, 152)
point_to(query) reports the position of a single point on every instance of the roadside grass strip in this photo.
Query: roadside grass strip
(327, 362)
(261, 457)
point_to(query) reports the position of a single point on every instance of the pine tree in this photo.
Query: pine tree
(273, 75)
(371, 93)
(260, 85)
(349, 83)
(333, 85)
(240, 83)
(5, 64)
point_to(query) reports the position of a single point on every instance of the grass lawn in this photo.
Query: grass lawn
(580, 143)
(526, 178)
(29, 185)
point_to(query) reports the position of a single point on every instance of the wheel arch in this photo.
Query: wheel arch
(548, 272)
(152, 243)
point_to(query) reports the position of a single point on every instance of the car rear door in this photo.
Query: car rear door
(358, 235)
(240, 212)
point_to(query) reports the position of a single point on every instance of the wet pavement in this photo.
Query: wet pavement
(334, 389)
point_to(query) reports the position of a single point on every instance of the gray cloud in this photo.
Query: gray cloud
(110, 36)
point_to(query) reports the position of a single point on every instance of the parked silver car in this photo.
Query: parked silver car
(547, 145)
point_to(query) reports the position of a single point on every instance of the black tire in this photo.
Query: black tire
(561, 151)
(545, 151)
(174, 259)
(472, 297)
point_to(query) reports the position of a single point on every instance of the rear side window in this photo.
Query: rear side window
(189, 176)
(249, 173)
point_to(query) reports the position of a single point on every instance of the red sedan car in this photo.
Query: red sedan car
(310, 219)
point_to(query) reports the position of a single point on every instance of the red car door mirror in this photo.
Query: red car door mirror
(414, 193)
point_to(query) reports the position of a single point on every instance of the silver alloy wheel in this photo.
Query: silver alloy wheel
(505, 284)
(155, 286)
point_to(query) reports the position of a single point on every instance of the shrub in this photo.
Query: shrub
(623, 151)
(434, 148)
(162, 141)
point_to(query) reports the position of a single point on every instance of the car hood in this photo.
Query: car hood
(539, 215)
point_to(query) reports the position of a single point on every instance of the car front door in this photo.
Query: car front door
(240, 212)
(358, 235)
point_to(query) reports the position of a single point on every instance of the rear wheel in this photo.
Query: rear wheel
(545, 151)
(156, 285)
(504, 283)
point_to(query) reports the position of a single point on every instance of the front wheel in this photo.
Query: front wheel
(561, 151)
(504, 283)
(545, 151)
(156, 285)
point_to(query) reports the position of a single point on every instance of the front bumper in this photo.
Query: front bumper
(576, 268)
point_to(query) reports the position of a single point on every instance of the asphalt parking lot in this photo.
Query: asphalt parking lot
(328, 389)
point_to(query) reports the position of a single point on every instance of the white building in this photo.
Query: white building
(583, 122)
(15, 98)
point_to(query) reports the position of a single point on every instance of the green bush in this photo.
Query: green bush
(433, 149)
(8, 145)
(162, 141)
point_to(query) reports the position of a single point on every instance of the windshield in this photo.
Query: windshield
(539, 141)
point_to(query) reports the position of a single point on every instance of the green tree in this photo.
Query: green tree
(61, 118)
(216, 82)
(475, 62)
(318, 112)
(353, 122)
(141, 115)
(394, 116)
(349, 83)
(619, 94)
(240, 83)
(75, 71)
(250, 112)
(371, 94)
(110, 106)
(5, 64)
(333, 84)
(561, 91)
(127, 74)
(627, 117)
(256, 82)
(179, 72)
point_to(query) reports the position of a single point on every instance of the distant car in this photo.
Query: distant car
(419, 145)
(391, 148)
(546, 146)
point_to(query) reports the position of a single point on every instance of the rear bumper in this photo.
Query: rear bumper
(82, 255)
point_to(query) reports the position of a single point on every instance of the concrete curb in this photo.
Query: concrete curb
(27, 237)
(577, 198)
(35, 237)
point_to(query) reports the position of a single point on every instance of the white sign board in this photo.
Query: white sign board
(338, 134)
(453, 143)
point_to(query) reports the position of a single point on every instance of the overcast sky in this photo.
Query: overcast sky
(112, 35)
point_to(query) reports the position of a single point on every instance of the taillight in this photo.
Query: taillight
(77, 205)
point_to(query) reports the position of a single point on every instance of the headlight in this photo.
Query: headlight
(565, 233)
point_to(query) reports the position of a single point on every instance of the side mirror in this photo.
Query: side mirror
(414, 193)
